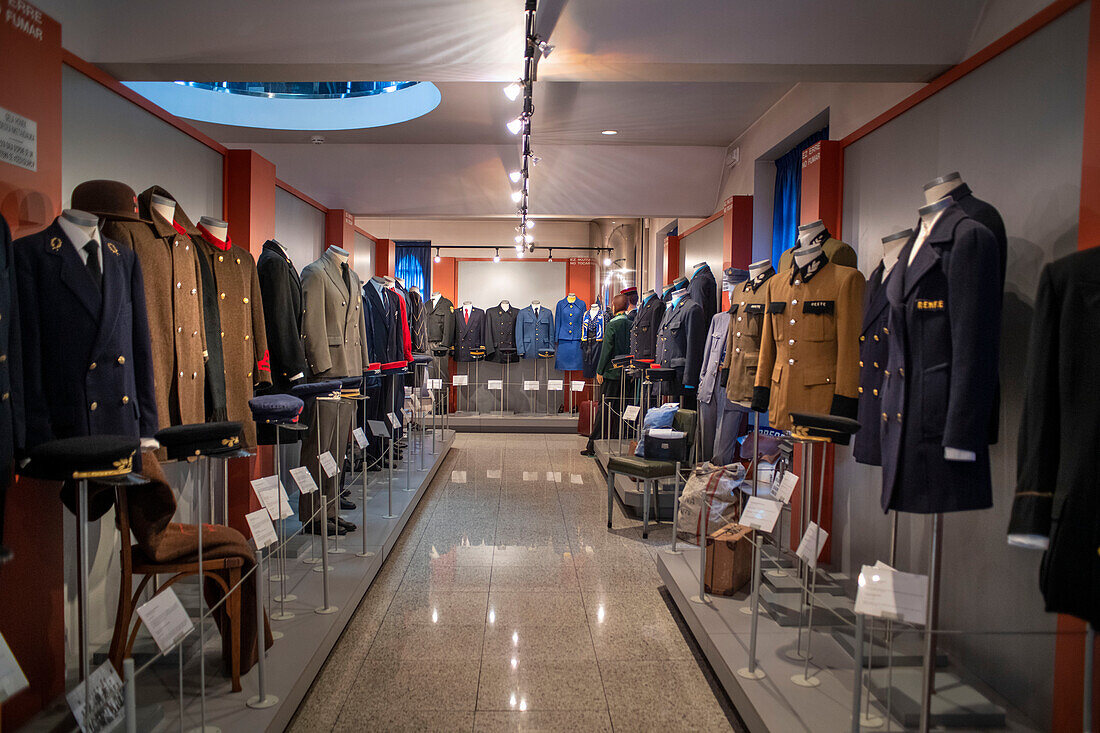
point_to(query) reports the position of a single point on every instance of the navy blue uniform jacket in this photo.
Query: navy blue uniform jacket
(941, 374)
(872, 365)
(87, 361)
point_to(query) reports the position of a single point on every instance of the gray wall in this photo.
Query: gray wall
(299, 227)
(364, 257)
(703, 245)
(1014, 129)
(105, 136)
(487, 283)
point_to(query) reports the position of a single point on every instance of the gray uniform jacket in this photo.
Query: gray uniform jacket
(710, 382)
(332, 319)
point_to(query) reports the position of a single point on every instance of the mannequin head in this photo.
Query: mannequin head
(937, 188)
(217, 227)
(805, 255)
(892, 246)
(930, 212)
(808, 232)
(758, 268)
(164, 206)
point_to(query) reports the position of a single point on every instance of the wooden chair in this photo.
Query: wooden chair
(135, 562)
(649, 471)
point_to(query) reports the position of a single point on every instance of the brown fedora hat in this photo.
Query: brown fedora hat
(111, 199)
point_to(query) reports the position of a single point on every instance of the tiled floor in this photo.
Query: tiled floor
(508, 605)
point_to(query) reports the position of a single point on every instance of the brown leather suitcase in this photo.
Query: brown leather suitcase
(586, 416)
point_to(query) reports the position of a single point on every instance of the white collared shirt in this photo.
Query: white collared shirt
(79, 238)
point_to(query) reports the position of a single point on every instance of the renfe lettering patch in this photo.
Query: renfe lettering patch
(930, 305)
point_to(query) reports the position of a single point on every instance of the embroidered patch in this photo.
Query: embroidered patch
(55, 243)
(114, 250)
(777, 306)
(826, 307)
(754, 309)
(930, 305)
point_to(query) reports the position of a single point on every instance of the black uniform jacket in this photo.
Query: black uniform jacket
(500, 331)
(643, 334)
(471, 333)
(441, 321)
(703, 289)
(381, 317)
(1057, 494)
(681, 340)
(87, 362)
(872, 365)
(941, 372)
(11, 367)
(282, 295)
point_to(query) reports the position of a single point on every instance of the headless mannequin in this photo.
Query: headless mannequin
(677, 294)
(758, 268)
(467, 306)
(805, 255)
(699, 267)
(166, 207)
(535, 306)
(435, 297)
(646, 295)
(937, 188)
(928, 216)
(571, 297)
(505, 306)
(342, 255)
(891, 248)
(388, 281)
(217, 227)
(399, 281)
(807, 232)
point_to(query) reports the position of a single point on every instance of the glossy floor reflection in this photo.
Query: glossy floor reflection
(508, 605)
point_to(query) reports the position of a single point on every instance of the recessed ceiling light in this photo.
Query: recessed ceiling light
(609, 132)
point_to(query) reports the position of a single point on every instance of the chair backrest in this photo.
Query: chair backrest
(687, 422)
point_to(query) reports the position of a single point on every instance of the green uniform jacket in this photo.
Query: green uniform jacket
(616, 342)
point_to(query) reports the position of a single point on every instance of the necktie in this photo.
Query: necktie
(93, 262)
(347, 276)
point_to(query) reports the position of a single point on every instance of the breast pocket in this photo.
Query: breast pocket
(819, 320)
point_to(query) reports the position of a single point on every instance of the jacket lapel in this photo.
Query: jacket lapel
(943, 232)
(876, 300)
(73, 271)
(895, 284)
(115, 288)
(332, 269)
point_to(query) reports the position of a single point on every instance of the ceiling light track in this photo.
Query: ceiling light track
(534, 48)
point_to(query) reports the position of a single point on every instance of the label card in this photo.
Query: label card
(630, 414)
(554, 476)
(165, 616)
(577, 385)
(530, 475)
(360, 438)
(394, 422)
(435, 384)
(269, 490)
(496, 384)
(378, 428)
(806, 546)
(460, 380)
(458, 477)
(760, 514)
(885, 593)
(107, 704)
(304, 479)
(529, 385)
(555, 385)
(492, 473)
(328, 463)
(263, 531)
(576, 478)
(785, 486)
(12, 679)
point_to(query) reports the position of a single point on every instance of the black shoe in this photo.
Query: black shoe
(588, 452)
(345, 493)
(315, 528)
(346, 526)
(345, 505)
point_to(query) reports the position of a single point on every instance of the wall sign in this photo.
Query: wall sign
(18, 140)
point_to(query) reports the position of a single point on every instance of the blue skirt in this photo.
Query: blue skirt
(568, 357)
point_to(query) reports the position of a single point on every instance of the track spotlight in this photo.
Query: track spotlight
(550, 256)
(517, 196)
(512, 90)
(529, 238)
(545, 48)
(496, 257)
(514, 176)
(529, 224)
(535, 160)
(437, 256)
(519, 239)
(515, 125)
(607, 262)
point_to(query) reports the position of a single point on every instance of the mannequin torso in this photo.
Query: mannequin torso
(891, 248)
(166, 207)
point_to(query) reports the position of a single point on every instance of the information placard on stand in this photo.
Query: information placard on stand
(496, 384)
(166, 618)
(435, 384)
(460, 380)
(577, 385)
(360, 438)
(263, 531)
(530, 385)
(328, 464)
(304, 479)
(378, 428)
(555, 385)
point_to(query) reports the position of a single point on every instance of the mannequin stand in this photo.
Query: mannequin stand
(751, 672)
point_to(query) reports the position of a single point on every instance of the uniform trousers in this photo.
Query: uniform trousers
(330, 421)
(721, 422)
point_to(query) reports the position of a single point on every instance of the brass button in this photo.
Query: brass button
(221, 258)
(250, 374)
(899, 417)
(876, 337)
(6, 396)
(790, 361)
(179, 329)
(862, 338)
(901, 371)
(861, 390)
(222, 296)
(93, 406)
(181, 375)
(738, 349)
(246, 337)
(738, 334)
(3, 358)
(738, 319)
(794, 302)
(194, 291)
(122, 360)
(884, 417)
(194, 334)
(223, 334)
(876, 365)
(885, 330)
(792, 321)
(91, 366)
(875, 391)
(790, 342)
(742, 302)
(238, 260)
(861, 362)
(887, 372)
(194, 375)
(246, 300)
(827, 380)
(125, 400)
(179, 285)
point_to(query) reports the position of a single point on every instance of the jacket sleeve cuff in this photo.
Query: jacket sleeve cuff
(725, 377)
(761, 396)
(844, 407)
(1031, 514)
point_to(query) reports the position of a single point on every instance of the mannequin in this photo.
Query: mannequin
(648, 294)
(87, 223)
(807, 233)
(938, 188)
(388, 281)
(891, 248)
(571, 297)
(435, 297)
(166, 207)
(699, 266)
(758, 268)
(536, 305)
(804, 255)
(677, 295)
(217, 227)
(928, 216)
(505, 305)
(341, 254)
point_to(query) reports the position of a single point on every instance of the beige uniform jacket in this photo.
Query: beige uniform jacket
(809, 350)
(333, 325)
(835, 250)
(173, 302)
(749, 302)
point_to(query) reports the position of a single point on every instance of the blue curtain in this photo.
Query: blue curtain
(414, 265)
(788, 185)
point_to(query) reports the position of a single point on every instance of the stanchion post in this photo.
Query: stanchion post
(131, 695)
(928, 672)
(262, 699)
(857, 683)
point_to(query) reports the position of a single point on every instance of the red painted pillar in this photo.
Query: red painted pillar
(736, 236)
(385, 257)
(32, 585)
(672, 259)
(822, 184)
(340, 231)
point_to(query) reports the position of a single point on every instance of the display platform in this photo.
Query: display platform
(295, 659)
(629, 495)
(474, 422)
(776, 703)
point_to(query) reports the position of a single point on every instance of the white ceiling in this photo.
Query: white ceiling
(679, 79)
